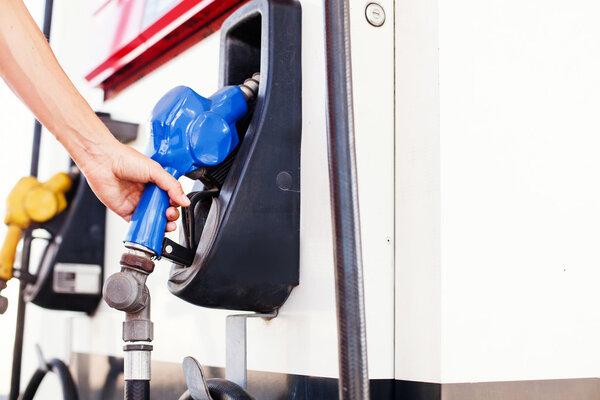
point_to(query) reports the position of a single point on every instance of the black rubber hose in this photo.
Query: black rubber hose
(354, 381)
(64, 375)
(66, 380)
(137, 390)
(222, 389)
(33, 384)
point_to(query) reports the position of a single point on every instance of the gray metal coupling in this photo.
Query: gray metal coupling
(250, 87)
(138, 330)
(137, 362)
(123, 291)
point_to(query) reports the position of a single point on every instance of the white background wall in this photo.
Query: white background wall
(520, 189)
(417, 189)
(497, 190)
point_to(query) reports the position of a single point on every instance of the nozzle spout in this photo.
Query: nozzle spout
(250, 87)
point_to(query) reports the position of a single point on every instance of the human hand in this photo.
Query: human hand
(118, 173)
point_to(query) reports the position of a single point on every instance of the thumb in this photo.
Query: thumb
(169, 184)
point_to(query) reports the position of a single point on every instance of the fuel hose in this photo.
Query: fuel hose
(352, 352)
(137, 389)
(222, 389)
(64, 375)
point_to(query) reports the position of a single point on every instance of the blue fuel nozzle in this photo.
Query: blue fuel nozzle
(187, 132)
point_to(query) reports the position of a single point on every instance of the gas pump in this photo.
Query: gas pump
(69, 276)
(188, 132)
(70, 271)
(29, 202)
(240, 239)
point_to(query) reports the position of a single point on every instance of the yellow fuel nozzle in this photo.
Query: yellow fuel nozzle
(29, 201)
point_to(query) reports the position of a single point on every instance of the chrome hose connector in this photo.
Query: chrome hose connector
(250, 87)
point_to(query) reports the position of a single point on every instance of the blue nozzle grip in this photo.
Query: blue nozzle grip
(149, 220)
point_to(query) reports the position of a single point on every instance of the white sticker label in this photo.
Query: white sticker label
(77, 278)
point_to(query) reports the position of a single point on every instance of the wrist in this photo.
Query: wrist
(88, 153)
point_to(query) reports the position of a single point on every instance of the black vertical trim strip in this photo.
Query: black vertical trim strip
(410, 390)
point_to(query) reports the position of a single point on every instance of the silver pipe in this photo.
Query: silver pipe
(137, 365)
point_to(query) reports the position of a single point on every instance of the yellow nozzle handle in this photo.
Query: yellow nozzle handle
(45, 201)
(30, 201)
(7, 254)
(59, 183)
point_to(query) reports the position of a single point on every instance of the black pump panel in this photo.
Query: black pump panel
(247, 255)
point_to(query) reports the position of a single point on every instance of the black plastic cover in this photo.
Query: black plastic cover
(125, 132)
(247, 257)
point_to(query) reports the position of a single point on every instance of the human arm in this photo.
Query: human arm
(116, 173)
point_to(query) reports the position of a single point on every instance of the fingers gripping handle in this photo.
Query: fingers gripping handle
(149, 220)
(7, 254)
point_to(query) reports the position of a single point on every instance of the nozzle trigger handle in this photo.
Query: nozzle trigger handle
(148, 223)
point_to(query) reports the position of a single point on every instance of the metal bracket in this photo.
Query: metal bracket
(177, 253)
(42, 363)
(236, 351)
(181, 254)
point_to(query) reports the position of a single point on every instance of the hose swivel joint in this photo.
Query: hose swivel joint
(126, 290)
(250, 87)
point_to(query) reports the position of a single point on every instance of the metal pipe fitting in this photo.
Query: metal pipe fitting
(126, 290)
(138, 326)
(250, 87)
(137, 361)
